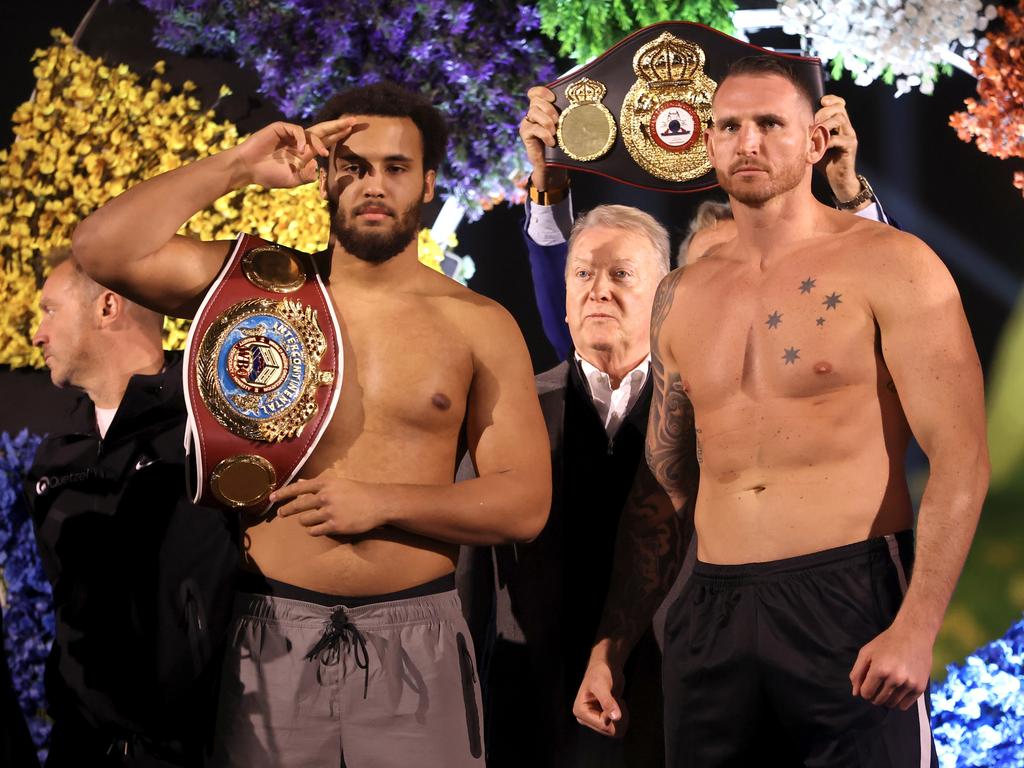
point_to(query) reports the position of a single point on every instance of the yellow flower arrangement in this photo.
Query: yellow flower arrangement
(90, 132)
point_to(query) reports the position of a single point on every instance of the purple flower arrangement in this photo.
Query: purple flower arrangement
(28, 610)
(474, 60)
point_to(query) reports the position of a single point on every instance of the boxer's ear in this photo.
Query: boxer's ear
(817, 143)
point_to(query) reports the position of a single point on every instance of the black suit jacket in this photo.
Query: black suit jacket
(531, 633)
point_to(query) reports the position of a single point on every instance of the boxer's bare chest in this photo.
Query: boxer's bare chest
(799, 328)
(407, 373)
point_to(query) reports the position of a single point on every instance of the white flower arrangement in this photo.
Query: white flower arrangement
(903, 42)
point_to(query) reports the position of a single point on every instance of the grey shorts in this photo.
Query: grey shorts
(389, 684)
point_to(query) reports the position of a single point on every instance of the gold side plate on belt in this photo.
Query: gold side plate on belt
(243, 481)
(668, 108)
(586, 129)
(273, 269)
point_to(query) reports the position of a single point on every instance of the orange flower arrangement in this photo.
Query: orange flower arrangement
(995, 120)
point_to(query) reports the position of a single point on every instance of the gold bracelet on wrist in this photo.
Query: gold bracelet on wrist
(548, 196)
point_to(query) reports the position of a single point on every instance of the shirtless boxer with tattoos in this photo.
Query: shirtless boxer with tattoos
(793, 363)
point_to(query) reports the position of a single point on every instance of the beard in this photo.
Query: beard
(370, 244)
(760, 192)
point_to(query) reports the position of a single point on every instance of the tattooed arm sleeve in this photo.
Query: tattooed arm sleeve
(649, 549)
(672, 450)
(656, 524)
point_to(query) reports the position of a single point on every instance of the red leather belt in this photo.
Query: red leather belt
(638, 111)
(262, 375)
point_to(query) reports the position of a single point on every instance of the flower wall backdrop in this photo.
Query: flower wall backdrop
(978, 712)
(89, 133)
(585, 29)
(24, 591)
(474, 60)
(899, 41)
(995, 120)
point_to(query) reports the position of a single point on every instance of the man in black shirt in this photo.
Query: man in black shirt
(141, 577)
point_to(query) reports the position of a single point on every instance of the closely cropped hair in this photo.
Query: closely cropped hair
(58, 256)
(762, 64)
(627, 219)
(708, 214)
(386, 99)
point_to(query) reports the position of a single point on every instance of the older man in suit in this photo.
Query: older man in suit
(537, 608)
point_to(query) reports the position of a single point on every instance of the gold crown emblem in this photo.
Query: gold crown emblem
(668, 60)
(585, 90)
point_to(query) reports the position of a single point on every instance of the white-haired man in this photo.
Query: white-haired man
(550, 598)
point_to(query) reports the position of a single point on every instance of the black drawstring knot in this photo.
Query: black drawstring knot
(339, 629)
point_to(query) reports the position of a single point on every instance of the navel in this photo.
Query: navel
(441, 401)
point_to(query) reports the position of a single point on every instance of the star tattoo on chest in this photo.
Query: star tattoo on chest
(820, 321)
(832, 301)
(806, 285)
(773, 320)
(791, 355)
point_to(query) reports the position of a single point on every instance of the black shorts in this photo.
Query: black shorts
(758, 658)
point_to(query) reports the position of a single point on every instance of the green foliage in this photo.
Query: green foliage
(586, 28)
(990, 594)
(837, 67)
(1005, 410)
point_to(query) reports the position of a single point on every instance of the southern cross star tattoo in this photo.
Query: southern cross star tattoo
(806, 285)
(773, 320)
(831, 302)
(791, 355)
(820, 321)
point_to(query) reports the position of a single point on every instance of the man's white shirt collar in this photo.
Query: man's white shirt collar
(613, 405)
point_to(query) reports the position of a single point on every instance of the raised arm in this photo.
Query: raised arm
(929, 351)
(839, 164)
(510, 498)
(130, 244)
(549, 218)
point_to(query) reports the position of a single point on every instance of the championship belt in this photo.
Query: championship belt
(263, 371)
(637, 113)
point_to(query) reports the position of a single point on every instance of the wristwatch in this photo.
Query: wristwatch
(548, 196)
(866, 193)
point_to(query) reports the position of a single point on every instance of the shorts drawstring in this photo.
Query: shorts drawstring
(339, 629)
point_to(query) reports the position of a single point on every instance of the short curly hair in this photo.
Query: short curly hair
(386, 99)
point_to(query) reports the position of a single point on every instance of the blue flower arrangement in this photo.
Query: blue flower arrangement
(28, 607)
(978, 712)
(474, 60)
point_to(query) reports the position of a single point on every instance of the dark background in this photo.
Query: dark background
(958, 200)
